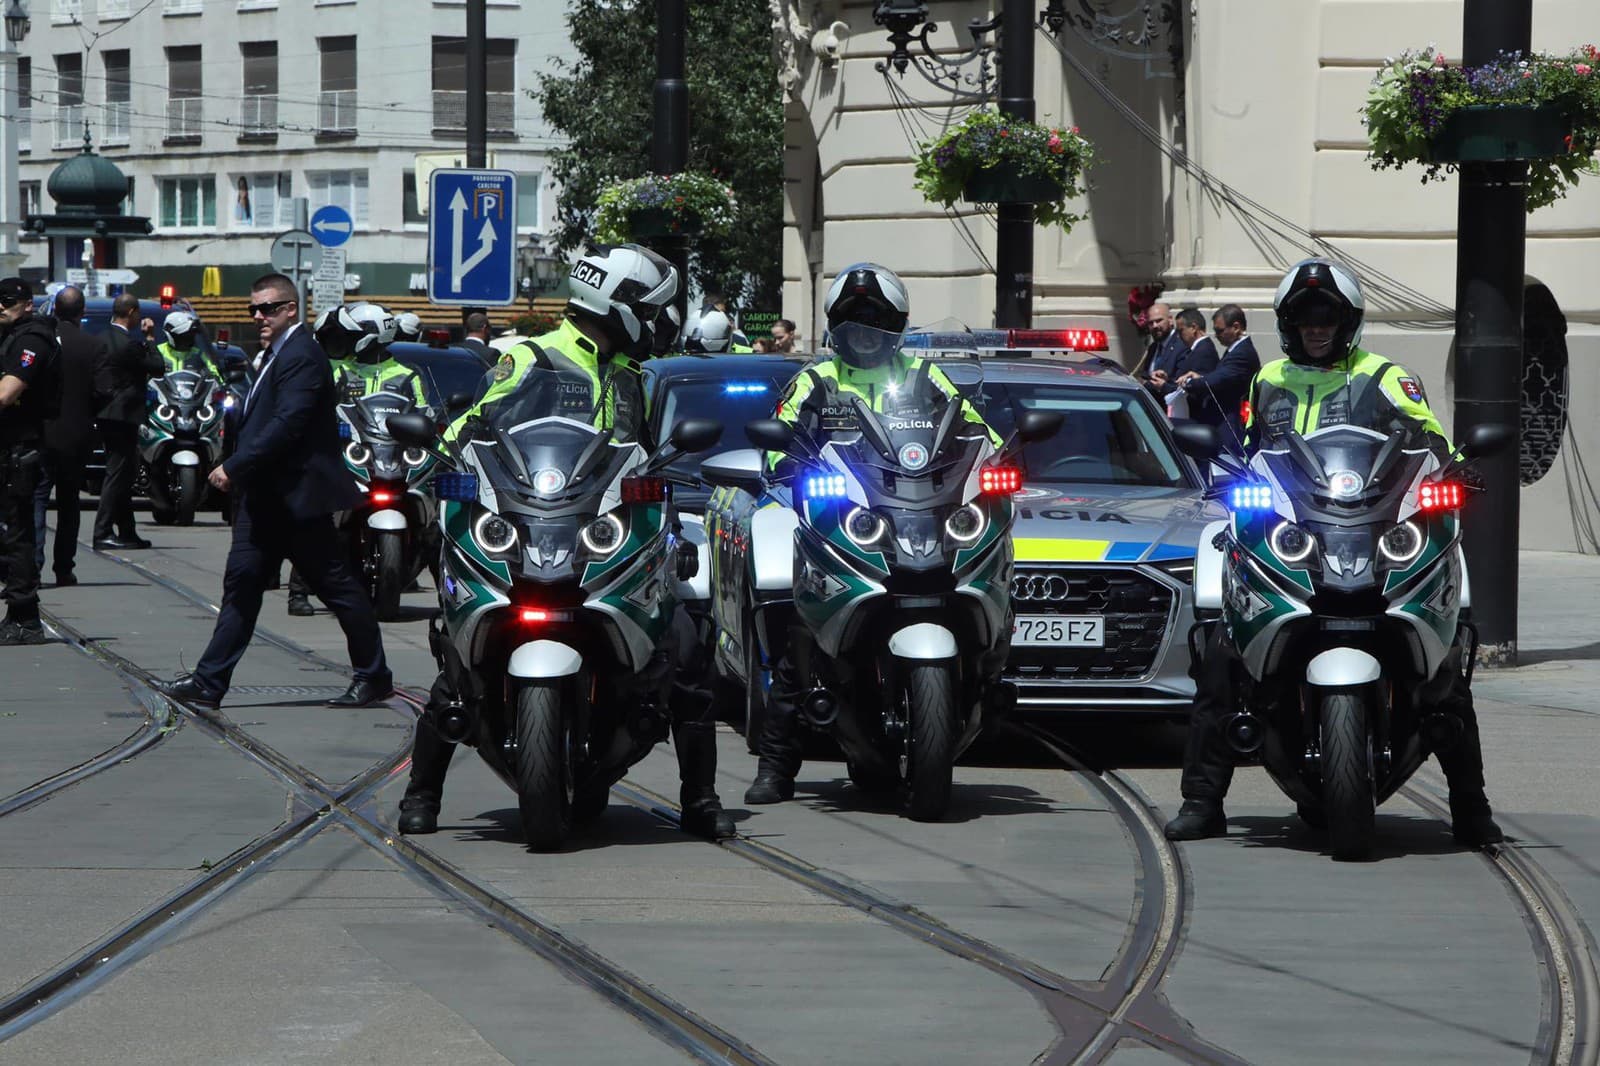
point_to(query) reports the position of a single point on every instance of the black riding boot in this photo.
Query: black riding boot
(1471, 819)
(780, 743)
(299, 595)
(430, 761)
(1207, 759)
(703, 815)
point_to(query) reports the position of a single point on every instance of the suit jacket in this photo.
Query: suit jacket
(485, 353)
(1164, 355)
(80, 357)
(1229, 384)
(286, 451)
(123, 374)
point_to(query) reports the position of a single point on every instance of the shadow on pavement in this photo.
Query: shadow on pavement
(620, 825)
(1397, 836)
(968, 801)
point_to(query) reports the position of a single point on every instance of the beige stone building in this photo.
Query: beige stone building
(1260, 98)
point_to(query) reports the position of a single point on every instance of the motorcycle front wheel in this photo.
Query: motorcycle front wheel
(931, 706)
(189, 487)
(1349, 800)
(543, 767)
(388, 577)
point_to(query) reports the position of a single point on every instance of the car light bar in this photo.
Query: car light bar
(1000, 480)
(1054, 340)
(1439, 496)
(644, 490)
(1251, 497)
(823, 486)
(746, 388)
(454, 486)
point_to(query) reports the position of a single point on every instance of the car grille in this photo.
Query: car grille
(1136, 610)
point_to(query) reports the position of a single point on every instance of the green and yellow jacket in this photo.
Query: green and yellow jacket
(1362, 389)
(363, 379)
(194, 358)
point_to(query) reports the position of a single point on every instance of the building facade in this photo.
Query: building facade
(222, 112)
(1230, 145)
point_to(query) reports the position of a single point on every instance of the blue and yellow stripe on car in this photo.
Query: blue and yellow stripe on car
(1074, 550)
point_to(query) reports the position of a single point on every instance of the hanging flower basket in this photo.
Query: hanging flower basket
(686, 203)
(993, 158)
(1540, 108)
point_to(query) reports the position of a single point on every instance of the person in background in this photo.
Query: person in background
(477, 339)
(66, 437)
(1216, 396)
(1162, 354)
(783, 336)
(1199, 356)
(30, 392)
(127, 363)
(761, 345)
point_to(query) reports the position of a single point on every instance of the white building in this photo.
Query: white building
(221, 111)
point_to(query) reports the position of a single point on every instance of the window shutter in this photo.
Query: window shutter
(358, 196)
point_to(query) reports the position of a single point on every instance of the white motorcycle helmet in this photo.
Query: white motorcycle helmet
(362, 330)
(712, 334)
(1313, 290)
(407, 326)
(622, 288)
(868, 310)
(182, 330)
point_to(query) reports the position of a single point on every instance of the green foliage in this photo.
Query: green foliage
(987, 139)
(601, 101)
(696, 203)
(1412, 96)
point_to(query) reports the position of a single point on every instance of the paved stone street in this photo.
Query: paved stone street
(250, 903)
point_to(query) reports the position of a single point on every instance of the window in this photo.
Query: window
(450, 84)
(69, 99)
(337, 111)
(28, 197)
(528, 217)
(258, 107)
(119, 98)
(347, 188)
(24, 104)
(410, 213)
(258, 199)
(183, 93)
(188, 202)
(128, 204)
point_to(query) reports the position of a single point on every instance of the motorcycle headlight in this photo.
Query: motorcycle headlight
(1402, 543)
(1291, 544)
(602, 536)
(228, 402)
(414, 456)
(864, 528)
(165, 412)
(358, 453)
(494, 534)
(967, 524)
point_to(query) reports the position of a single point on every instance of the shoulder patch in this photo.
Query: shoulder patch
(1412, 389)
(27, 358)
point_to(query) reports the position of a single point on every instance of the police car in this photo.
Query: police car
(1108, 521)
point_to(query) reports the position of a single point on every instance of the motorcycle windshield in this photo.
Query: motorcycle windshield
(184, 388)
(918, 449)
(540, 442)
(1337, 470)
(370, 414)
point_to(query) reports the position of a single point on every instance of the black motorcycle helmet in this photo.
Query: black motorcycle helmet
(868, 310)
(1317, 290)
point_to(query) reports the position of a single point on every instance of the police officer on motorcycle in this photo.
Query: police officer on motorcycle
(867, 309)
(182, 349)
(1327, 379)
(616, 295)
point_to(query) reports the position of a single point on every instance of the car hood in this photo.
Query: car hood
(1109, 523)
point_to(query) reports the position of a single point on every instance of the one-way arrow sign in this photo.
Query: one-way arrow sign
(332, 225)
(471, 243)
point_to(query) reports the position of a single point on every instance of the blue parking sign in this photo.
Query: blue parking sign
(472, 237)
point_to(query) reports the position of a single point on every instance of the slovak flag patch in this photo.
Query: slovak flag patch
(27, 358)
(1412, 388)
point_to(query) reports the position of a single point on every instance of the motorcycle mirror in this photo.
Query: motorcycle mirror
(1036, 425)
(739, 469)
(695, 434)
(412, 428)
(1196, 439)
(1486, 440)
(770, 433)
(457, 401)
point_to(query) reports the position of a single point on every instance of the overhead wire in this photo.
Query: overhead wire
(904, 107)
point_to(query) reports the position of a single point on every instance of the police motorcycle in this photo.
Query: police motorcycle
(902, 561)
(180, 442)
(557, 592)
(1341, 580)
(389, 530)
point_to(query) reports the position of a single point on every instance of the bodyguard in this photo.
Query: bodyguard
(30, 393)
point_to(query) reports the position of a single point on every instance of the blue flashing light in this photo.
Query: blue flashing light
(454, 486)
(1252, 497)
(344, 431)
(746, 388)
(823, 486)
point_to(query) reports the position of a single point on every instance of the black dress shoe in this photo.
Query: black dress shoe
(136, 543)
(64, 580)
(363, 694)
(113, 544)
(1197, 820)
(185, 689)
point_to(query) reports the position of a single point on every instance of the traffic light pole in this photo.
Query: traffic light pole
(1490, 253)
(669, 136)
(1013, 258)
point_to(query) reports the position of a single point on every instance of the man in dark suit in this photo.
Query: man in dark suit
(66, 437)
(1198, 355)
(290, 479)
(1216, 396)
(1155, 369)
(127, 364)
(477, 339)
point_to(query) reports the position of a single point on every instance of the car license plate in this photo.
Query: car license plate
(1067, 631)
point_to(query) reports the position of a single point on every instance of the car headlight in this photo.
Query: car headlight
(358, 453)
(1402, 543)
(967, 524)
(864, 528)
(1291, 544)
(602, 536)
(494, 534)
(414, 456)
(165, 412)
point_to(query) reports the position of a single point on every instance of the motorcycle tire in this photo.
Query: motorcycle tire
(1349, 799)
(162, 516)
(931, 702)
(388, 575)
(189, 489)
(542, 767)
(757, 679)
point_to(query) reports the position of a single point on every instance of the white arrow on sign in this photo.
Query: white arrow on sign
(336, 227)
(459, 268)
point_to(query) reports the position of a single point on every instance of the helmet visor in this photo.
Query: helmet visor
(863, 346)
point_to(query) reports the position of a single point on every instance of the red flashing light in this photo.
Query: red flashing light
(534, 614)
(169, 296)
(1439, 496)
(644, 490)
(1000, 480)
(438, 338)
(1245, 411)
(382, 497)
(1064, 340)
(224, 335)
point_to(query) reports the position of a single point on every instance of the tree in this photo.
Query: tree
(601, 101)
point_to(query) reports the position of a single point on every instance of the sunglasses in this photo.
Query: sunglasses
(269, 308)
(8, 302)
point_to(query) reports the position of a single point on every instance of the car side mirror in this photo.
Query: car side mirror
(741, 469)
(234, 374)
(1486, 440)
(770, 433)
(695, 434)
(1036, 426)
(1196, 439)
(413, 429)
(457, 401)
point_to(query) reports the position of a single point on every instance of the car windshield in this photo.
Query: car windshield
(733, 402)
(1108, 436)
(444, 372)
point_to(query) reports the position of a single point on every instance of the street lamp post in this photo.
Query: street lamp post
(17, 26)
(669, 137)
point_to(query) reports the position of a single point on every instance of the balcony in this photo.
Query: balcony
(336, 113)
(115, 122)
(450, 112)
(183, 120)
(258, 117)
(69, 125)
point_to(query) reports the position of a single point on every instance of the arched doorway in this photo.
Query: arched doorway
(1544, 382)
